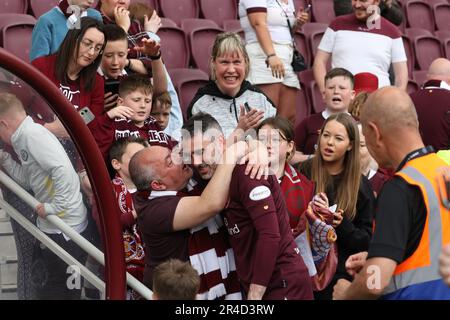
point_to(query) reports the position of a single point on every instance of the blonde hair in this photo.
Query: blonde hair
(347, 191)
(357, 104)
(9, 102)
(228, 42)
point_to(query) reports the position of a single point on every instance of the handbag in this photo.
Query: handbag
(298, 60)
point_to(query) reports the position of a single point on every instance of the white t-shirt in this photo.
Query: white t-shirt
(276, 19)
(358, 48)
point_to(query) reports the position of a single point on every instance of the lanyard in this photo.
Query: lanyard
(415, 154)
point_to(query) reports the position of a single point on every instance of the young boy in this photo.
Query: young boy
(337, 96)
(161, 106)
(45, 169)
(131, 117)
(175, 280)
(115, 66)
(120, 154)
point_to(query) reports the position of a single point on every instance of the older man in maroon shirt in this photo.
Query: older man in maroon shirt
(268, 263)
(432, 104)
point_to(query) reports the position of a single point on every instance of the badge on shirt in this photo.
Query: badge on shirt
(259, 193)
(24, 155)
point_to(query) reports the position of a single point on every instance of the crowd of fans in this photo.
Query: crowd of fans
(236, 203)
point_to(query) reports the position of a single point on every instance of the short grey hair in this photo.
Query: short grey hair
(141, 172)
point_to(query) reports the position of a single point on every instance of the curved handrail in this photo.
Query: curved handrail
(95, 167)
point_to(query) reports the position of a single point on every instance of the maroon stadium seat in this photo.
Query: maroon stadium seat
(442, 16)
(179, 9)
(166, 22)
(306, 77)
(412, 86)
(302, 45)
(323, 11)
(187, 25)
(419, 15)
(15, 6)
(218, 10)
(187, 82)
(201, 41)
(426, 50)
(413, 33)
(313, 32)
(442, 34)
(446, 44)
(317, 99)
(235, 26)
(301, 106)
(435, 2)
(16, 32)
(39, 7)
(420, 76)
(175, 50)
(409, 50)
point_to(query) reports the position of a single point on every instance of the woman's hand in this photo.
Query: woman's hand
(120, 112)
(301, 18)
(122, 18)
(321, 200)
(338, 216)
(110, 100)
(276, 65)
(250, 119)
(153, 23)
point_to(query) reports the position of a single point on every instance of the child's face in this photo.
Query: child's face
(338, 94)
(114, 58)
(141, 103)
(124, 163)
(161, 112)
(334, 142)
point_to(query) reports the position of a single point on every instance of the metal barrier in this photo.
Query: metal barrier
(68, 231)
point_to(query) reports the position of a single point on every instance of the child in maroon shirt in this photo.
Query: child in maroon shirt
(131, 117)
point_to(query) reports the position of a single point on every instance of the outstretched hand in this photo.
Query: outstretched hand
(148, 47)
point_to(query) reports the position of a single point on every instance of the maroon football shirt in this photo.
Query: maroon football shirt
(260, 235)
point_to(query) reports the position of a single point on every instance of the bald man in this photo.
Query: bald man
(411, 222)
(432, 103)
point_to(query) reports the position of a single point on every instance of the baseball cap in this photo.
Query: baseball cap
(365, 82)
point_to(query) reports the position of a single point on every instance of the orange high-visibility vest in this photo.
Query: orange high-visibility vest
(418, 276)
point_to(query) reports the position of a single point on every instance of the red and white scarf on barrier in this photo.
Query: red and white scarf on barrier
(211, 255)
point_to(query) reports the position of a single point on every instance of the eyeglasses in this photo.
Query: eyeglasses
(87, 44)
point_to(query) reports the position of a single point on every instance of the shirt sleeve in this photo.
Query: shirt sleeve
(40, 40)
(327, 42)
(398, 51)
(251, 5)
(257, 198)
(392, 223)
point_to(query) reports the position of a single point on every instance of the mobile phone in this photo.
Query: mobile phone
(112, 86)
(87, 115)
(308, 8)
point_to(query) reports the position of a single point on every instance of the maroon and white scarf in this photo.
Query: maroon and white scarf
(212, 256)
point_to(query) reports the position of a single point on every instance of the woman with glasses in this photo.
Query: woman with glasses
(73, 69)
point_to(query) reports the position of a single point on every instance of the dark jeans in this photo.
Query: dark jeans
(50, 274)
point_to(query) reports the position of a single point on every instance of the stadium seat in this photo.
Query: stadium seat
(302, 109)
(15, 6)
(166, 22)
(175, 50)
(412, 86)
(409, 50)
(419, 15)
(201, 41)
(420, 76)
(187, 82)
(178, 9)
(426, 50)
(435, 2)
(235, 26)
(218, 10)
(187, 25)
(442, 16)
(446, 44)
(16, 32)
(306, 77)
(39, 7)
(413, 33)
(302, 45)
(317, 100)
(313, 32)
(323, 11)
(442, 34)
